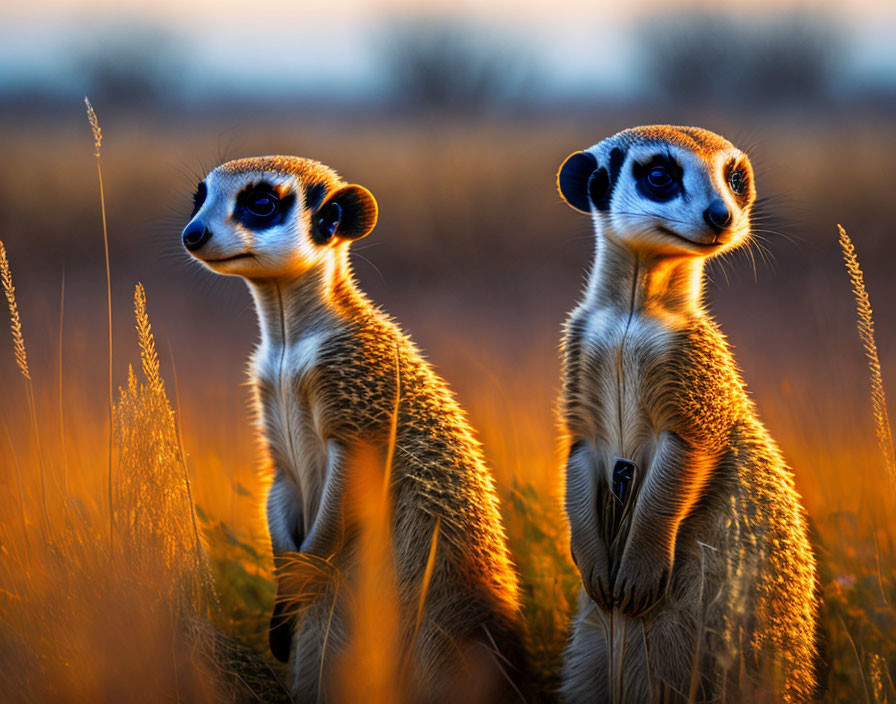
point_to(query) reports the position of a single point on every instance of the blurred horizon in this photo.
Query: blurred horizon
(166, 55)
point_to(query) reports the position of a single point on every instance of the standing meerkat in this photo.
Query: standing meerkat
(328, 375)
(699, 579)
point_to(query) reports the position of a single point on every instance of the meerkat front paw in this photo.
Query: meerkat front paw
(594, 568)
(597, 586)
(640, 582)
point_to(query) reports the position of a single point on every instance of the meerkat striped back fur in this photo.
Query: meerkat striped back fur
(698, 577)
(328, 374)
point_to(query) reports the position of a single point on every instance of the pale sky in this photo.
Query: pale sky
(229, 41)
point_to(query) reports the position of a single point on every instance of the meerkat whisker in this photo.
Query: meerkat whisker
(712, 555)
(380, 492)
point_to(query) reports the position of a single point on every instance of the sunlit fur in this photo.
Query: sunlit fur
(702, 155)
(707, 593)
(326, 377)
(279, 251)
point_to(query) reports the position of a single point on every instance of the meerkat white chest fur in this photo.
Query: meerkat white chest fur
(621, 348)
(336, 387)
(281, 368)
(679, 503)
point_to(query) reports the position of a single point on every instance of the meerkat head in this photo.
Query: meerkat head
(663, 189)
(275, 216)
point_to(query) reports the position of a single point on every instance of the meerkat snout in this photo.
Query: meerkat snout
(717, 216)
(195, 235)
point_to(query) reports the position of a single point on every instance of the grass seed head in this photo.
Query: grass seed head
(15, 322)
(94, 126)
(865, 326)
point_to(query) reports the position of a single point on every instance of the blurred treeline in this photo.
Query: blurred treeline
(796, 60)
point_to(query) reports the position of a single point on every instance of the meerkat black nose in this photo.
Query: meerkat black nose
(717, 216)
(196, 234)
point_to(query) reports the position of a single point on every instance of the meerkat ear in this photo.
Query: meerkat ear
(349, 213)
(582, 183)
(573, 177)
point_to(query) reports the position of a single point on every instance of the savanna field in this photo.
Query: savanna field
(109, 578)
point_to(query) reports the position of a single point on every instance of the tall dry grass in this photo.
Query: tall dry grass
(18, 343)
(860, 582)
(76, 624)
(369, 649)
(372, 667)
(155, 520)
(21, 356)
(865, 326)
(15, 321)
(94, 123)
(81, 622)
(369, 668)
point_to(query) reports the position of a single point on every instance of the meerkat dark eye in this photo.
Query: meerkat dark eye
(658, 177)
(199, 197)
(263, 205)
(737, 182)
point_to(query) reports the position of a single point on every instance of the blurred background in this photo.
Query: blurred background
(456, 116)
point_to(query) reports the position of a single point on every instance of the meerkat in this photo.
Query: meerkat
(698, 576)
(328, 375)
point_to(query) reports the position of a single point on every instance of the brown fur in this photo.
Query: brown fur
(314, 418)
(707, 592)
(438, 472)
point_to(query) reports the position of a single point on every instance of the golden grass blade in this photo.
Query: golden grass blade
(153, 491)
(323, 647)
(18, 342)
(866, 335)
(427, 573)
(424, 588)
(15, 322)
(59, 400)
(201, 562)
(97, 142)
(149, 357)
(20, 492)
(368, 668)
(372, 665)
(393, 429)
(858, 657)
